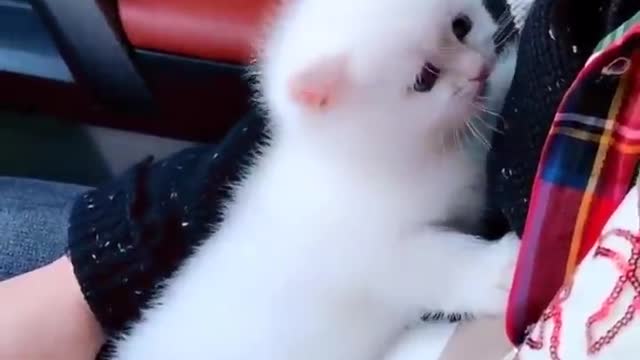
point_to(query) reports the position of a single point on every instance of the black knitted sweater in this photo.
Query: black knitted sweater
(557, 39)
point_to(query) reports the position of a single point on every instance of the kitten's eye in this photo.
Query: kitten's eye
(461, 26)
(426, 80)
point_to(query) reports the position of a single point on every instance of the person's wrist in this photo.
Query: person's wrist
(47, 316)
(73, 301)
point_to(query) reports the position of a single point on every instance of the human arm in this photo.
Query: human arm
(44, 316)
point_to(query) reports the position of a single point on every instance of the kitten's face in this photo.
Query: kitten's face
(430, 68)
(414, 64)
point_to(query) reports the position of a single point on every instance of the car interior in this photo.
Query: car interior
(89, 88)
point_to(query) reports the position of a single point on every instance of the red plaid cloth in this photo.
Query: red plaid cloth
(586, 169)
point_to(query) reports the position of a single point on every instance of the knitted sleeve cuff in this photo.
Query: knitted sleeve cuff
(102, 235)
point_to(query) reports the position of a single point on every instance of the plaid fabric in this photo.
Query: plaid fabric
(586, 169)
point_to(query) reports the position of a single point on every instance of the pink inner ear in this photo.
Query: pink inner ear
(318, 86)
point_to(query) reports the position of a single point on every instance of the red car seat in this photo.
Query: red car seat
(221, 30)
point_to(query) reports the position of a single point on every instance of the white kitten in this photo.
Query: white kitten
(331, 245)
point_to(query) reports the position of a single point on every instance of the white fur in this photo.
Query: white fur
(331, 245)
(424, 342)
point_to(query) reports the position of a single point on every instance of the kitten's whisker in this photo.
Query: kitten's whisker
(488, 125)
(505, 19)
(478, 134)
(503, 34)
(484, 109)
(502, 20)
(505, 14)
(479, 105)
(485, 122)
(486, 142)
(502, 28)
(507, 32)
(469, 131)
(503, 24)
(513, 32)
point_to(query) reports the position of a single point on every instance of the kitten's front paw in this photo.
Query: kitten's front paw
(500, 263)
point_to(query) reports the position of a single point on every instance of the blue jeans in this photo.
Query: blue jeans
(33, 223)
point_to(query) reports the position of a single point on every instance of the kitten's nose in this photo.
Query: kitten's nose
(483, 74)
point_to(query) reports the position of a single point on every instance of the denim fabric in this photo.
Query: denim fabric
(33, 223)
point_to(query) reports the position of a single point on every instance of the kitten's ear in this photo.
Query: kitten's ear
(319, 85)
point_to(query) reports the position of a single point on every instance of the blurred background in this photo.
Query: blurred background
(89, 87)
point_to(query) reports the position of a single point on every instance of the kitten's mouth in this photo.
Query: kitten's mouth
(481, 79)
(427, 78)
(483, 75)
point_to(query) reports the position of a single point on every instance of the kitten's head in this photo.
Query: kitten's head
(407, 66)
